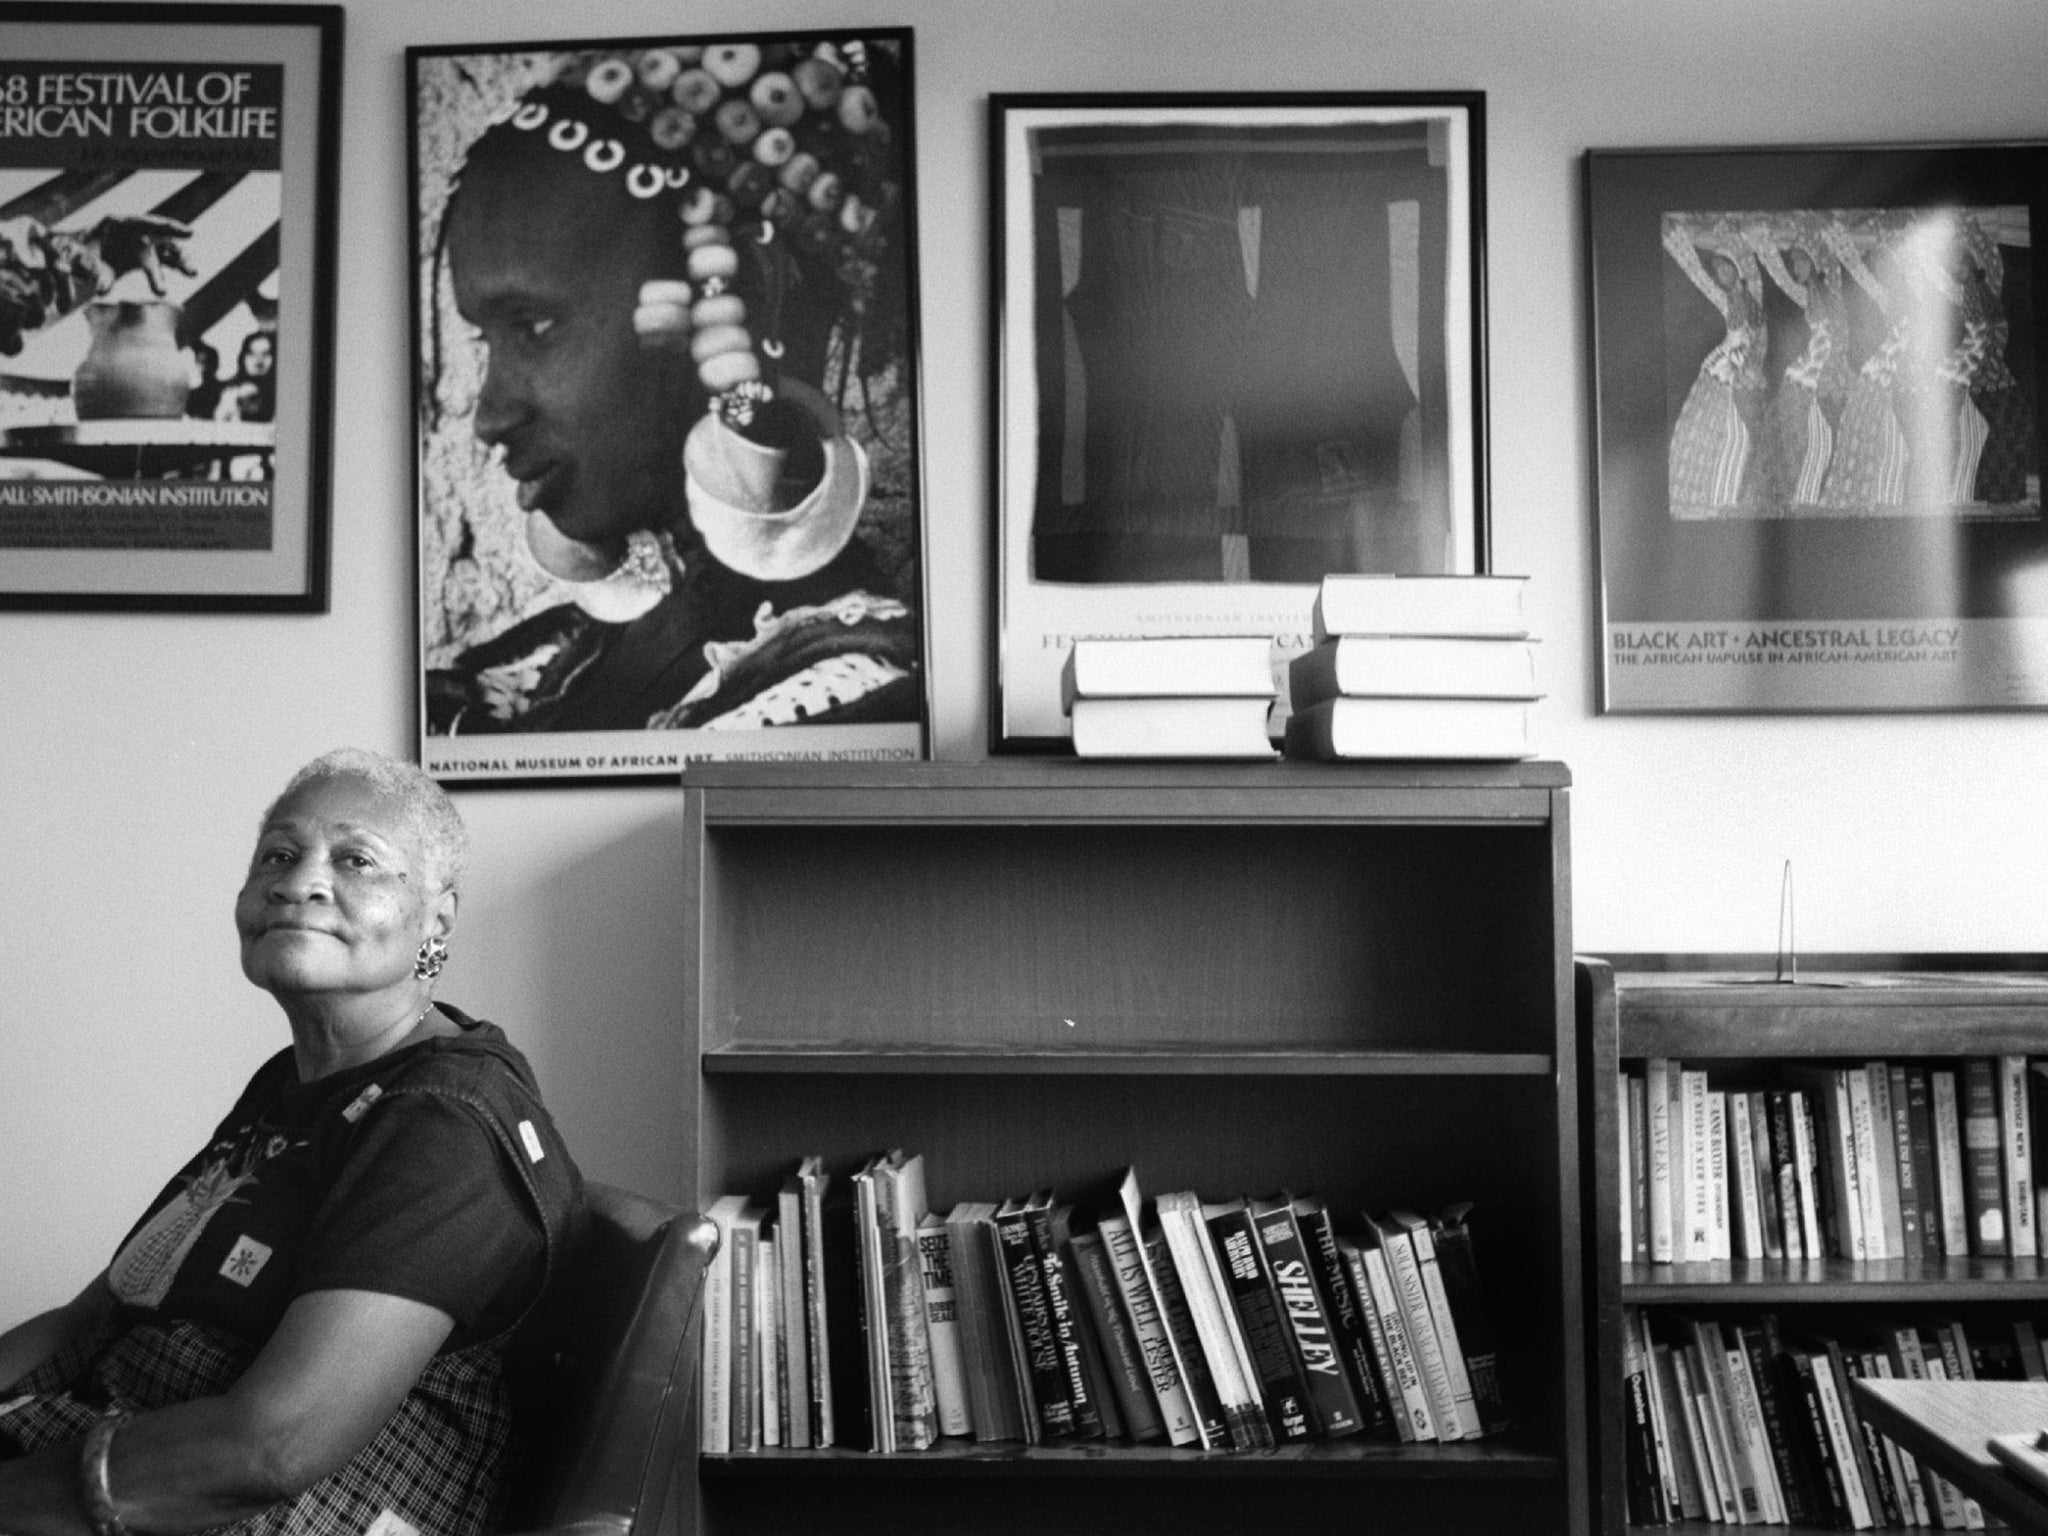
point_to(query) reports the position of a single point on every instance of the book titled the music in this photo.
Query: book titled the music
(1464, 729)
(1421, 605)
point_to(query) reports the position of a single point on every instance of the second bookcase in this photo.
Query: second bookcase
(1730, 1015)
(1351, 981)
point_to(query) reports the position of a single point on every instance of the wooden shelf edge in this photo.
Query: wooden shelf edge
(1375, 1462)
(1755, 1282)
(748, 1059)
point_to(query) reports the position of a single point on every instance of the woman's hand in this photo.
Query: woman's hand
(333, 1373)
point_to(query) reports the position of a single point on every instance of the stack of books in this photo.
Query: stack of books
(1880, 1160)
(856, 1318)
(1414, 667)
(1734, 1421)
(1196, 696)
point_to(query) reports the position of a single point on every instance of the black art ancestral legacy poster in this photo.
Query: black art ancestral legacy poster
(1818, 393)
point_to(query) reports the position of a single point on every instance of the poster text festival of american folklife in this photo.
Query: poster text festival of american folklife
(58, 103)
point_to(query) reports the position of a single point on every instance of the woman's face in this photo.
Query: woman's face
(337, 900)
(258, 353)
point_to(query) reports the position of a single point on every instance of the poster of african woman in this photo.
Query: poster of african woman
(167, 197)
(1817, 389)
(1240, 346)
(666, 393)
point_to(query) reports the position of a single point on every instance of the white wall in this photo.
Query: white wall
(136, 751)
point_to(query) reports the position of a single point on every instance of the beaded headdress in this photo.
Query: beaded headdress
(778, 156)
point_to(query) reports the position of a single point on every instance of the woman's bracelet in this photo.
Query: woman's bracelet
(92, 1471)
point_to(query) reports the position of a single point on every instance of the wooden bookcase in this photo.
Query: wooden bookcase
(1355, 980)
(1730, 1015)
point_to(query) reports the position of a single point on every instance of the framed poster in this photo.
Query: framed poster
(1239, 345)
(667, 401)
(168, 182)
(1817, 396)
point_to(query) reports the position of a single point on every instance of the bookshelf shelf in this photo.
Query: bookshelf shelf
(1162, 1061)
(1348, 980)
(1729, 1014)
(1365, 1463)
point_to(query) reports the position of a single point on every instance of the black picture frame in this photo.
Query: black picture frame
(1263, 360)
(1819, 492)
(137, 471)
(546, 657)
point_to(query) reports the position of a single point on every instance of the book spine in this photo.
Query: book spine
(1717, 1468)
(1912, 1219)
(1341, 1305)
(1657, 1099)
(1785, 1173)
(1912, 1485)
(1642, 1481)
(1317, 1348)
(773, 1351)
(1983, 1160)
(1374, 1286)
(1728, 1430)
(1747, 1406)
(1187, 1241)
(1680, 1443)
(1951, 1177)
(1813, 1226)
(1698, 1166)
(824, 1429)
(1926, 1180)
(1253, 1294)
(1887, 1503)
(1842, 1447)
(1747, 1234)
(911, 1390)
(1779, 1439)
(1129, 1377)
(746, 1338)
(1873, 1490)
(1626, 1162)
(796, 1316)
(1637, 1130)
(942, 1322)
(1422, 1338)
(1884, 1155)
(715, 1366)
(1799, 1369)
(2017, 1142)
(1204, 1397)
(1865, 1175)
(1064, 1306)
(974, 1317)
(1148, 1327)
(1202, 1253)
(1458, 1264)
(1026, 1286)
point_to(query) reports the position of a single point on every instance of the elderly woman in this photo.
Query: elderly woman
(306, 1330)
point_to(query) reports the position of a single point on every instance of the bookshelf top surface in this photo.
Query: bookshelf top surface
(1075, 774)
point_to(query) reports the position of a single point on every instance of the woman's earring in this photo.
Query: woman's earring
(426, 965)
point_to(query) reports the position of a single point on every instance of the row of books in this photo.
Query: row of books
(1879, 1160)
(1401, 667)
(850, 1315)
(1734, 1421)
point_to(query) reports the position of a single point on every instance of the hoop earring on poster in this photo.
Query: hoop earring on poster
(432, 956)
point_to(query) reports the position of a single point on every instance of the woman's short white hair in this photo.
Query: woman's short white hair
(444, 840)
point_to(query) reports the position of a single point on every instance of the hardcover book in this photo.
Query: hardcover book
(790, 1258)
(1369, 728)
(942, 1322)
(1355, 1346)
(1333, 1403)
(1129, 1379)
(1132, 1274)
(1179, 727)
(1046, 1372)
(1413, 666)
(1458, 1263)
(996, 1407)
(1983, 1159)
(1169, 666)
(1420, 605)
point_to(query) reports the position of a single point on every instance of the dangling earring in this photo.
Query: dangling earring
(426, 965)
